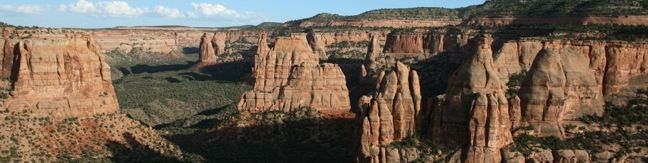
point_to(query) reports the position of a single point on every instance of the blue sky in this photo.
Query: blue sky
(197, 13)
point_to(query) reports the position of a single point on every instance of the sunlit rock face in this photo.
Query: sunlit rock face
(389, 115)
(58, 74)
(289, 76)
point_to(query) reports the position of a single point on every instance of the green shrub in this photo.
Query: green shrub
(514, 83)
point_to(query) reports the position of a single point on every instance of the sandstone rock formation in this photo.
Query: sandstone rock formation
(289, 76)
(577, 77)
(406, 43)
(474, 107)
(574, 20)
(62, 76)
(319, 47)
(132, 42)
(393, 23)
(207, 54)
(389, 115)
(559, 87)
(62, 103)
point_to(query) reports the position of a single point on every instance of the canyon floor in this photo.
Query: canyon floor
(197, 111)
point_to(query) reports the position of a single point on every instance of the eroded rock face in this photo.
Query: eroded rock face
(574, 20)
(316, 42)
(62, 101)
(139, 42)
(475, 112)
(393, 23)
(389, 115)
(559, 87)
(289, 76)
(207, 54)
(58, 76)
(568, 79)
(408, 43)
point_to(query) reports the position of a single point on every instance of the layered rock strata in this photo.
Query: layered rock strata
(61, 102)
(559, 87)
(393, 23)
(568, 79)
(289, 76)
(474, 112)
(574, 20)
(62, 76)
(389, 115)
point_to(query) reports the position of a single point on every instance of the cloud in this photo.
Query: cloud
(215, 10)
(118, 9)
(22, 9)
(122, 9)
(81, 6)
(168, 12)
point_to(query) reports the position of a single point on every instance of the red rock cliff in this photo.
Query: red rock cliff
(289, 76)
(57, 74)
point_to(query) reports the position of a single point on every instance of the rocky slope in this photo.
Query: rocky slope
(61, 104)
(289, 76)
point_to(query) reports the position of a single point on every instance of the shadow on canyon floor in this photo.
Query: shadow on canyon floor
(284, 139)
(142, 68)
(134, 151)
(238, 71)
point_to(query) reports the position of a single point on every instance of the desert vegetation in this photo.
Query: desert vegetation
(620, 130)
(160, 93)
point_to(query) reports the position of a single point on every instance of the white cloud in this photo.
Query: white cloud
(168, 12)
(122, 9)
(104, 8)
(22, 9)
(211, 10)
(119, 9)
(82, 6)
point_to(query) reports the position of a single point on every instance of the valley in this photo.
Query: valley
(504, 81)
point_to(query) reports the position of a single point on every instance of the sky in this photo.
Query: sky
(195, 13)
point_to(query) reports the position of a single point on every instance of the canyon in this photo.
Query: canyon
(478, 84)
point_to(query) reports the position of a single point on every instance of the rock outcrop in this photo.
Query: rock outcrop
(393, 23)
(573, 20)
(560, 86)
(207, 54)
(568, 79)
(405, 43)
(474, 112)
(139, 43)
(319, 47)
(62, 103)
(389, 115)
(62, 76)
(289, 76)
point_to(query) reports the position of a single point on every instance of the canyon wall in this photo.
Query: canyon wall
(58, 74)
(558, 81)
(574, 20)
(289, 76)
(134, 42)
(391, 23)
